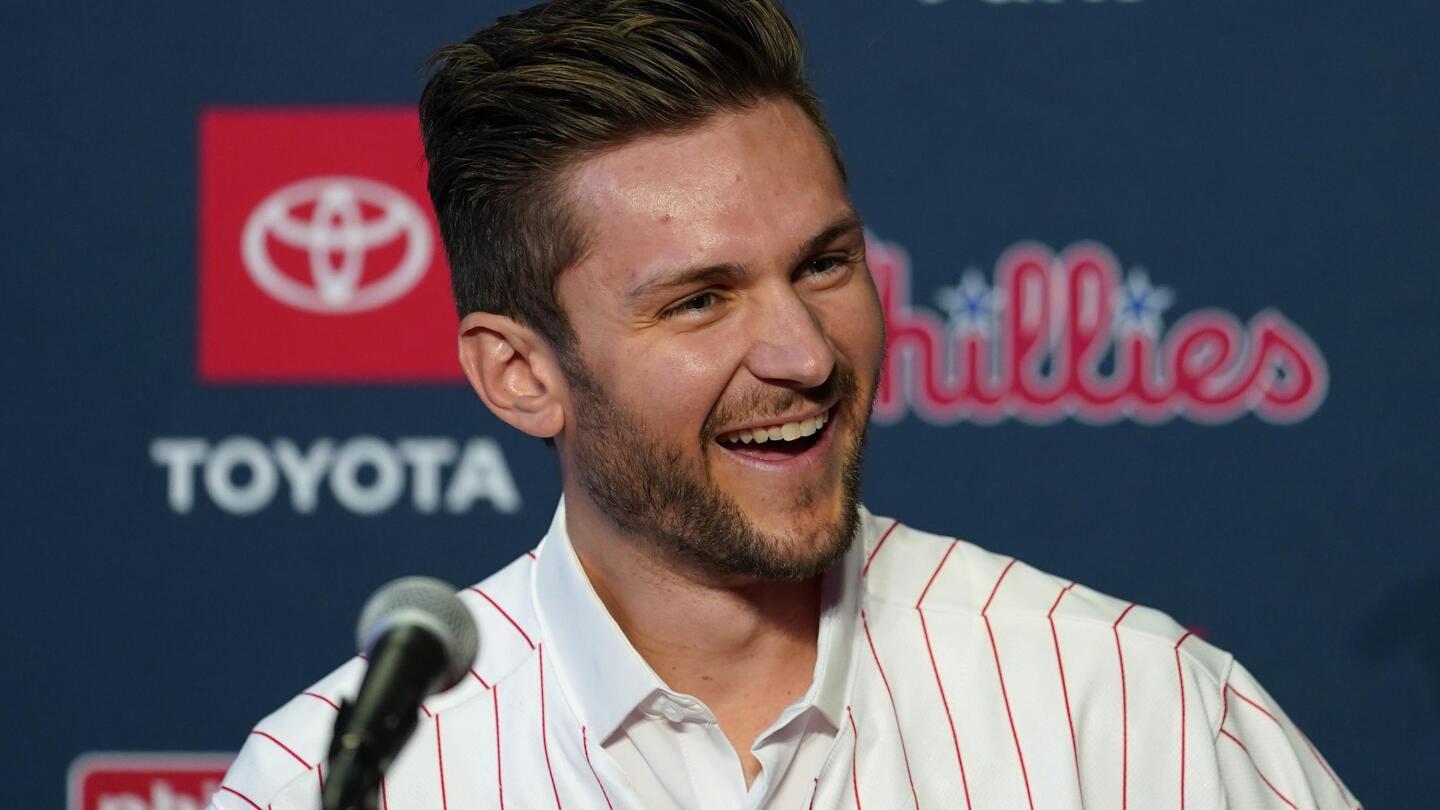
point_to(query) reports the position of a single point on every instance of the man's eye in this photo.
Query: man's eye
(695, 304)
(827, 265)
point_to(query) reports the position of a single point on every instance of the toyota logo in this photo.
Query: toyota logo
(336, 222)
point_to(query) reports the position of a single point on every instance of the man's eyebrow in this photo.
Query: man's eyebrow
(846, 223)
(684, 278)
(733, 273)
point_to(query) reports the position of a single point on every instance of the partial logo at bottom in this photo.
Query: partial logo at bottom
(131, 780)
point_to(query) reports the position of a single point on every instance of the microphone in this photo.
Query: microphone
(419, 639)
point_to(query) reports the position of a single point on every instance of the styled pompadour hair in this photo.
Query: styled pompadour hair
(509, 111)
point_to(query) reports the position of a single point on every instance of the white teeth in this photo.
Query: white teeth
(788, 432)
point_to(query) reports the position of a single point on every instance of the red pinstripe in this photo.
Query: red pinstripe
(1259, 772)
(499, 769)
(427, 712)
(384, 795)
(288, 750)
(1318, 759)
(893, 710)
(1339, 788)
(511, 619)
(544, 735)
(854, 753)
(948, 551)
(530, 554)
(1124, 714)
(1257, 706)
(929, 650)
(478, 678)
(320, 775)
(585, 744)
(996, 589)
(876, 550)
(1224, 705)
(1064, 688)
(1004, 694)
(327, 701)
(814, 792)
(235, 792)
(440, 760)
(1180, 673)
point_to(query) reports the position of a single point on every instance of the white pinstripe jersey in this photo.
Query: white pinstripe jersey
(977, 682)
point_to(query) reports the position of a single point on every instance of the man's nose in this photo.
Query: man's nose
(789, 347)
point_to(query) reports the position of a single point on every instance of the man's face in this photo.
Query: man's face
(724, 296)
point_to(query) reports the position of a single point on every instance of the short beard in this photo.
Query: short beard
(645, 490)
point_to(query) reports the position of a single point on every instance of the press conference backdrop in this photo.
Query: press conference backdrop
(1160, 278)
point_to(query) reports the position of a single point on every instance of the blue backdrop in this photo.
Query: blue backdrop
(1240, 156)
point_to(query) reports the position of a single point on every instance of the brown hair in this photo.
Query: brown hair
(510, 110)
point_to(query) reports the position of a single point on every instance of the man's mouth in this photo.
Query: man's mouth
(779, 441)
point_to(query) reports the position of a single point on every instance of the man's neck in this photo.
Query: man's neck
(747, 649)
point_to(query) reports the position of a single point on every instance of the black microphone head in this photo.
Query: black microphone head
(430, 605)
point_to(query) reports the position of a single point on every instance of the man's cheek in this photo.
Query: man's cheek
(692, 381)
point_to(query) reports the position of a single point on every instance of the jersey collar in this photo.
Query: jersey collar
(605, 679)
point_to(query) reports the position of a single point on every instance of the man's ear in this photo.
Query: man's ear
(515, 372)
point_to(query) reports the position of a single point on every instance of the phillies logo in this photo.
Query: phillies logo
(335, 240)
(1064, 335)
(145, 781)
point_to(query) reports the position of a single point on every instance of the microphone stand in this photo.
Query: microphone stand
(354, 778)
(371, 730)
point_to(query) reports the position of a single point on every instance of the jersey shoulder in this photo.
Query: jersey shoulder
(294, 739)
(908, 567)
(1101, 651)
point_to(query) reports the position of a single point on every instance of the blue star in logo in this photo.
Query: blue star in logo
(970, 305)
(1140, 305)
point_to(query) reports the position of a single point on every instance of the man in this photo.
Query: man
(659, 269)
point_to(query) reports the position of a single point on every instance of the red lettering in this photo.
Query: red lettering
(1040, 359)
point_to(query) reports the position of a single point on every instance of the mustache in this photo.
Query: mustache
(767, 402)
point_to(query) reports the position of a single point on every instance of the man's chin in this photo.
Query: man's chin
(801, 530)
(804, 547)
(817, 559)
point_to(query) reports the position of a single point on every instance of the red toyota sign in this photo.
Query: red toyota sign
(320, 260)
(145, 781)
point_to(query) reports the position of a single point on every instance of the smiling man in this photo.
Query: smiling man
(728, 341)
(659, 269)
